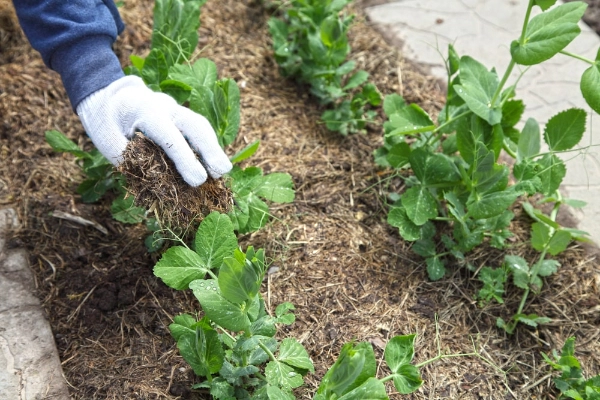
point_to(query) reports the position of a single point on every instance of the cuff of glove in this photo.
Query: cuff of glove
(86, 67)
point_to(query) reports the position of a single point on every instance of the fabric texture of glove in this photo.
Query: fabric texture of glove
(112, 115)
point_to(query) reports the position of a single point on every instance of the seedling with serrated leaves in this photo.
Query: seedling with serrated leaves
(311, 45)
(233, 346)
(458, 178)
(571, 383)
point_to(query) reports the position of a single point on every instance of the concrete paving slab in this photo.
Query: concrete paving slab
(29, 364)
(484, 30)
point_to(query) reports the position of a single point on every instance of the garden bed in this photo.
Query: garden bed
(348, 272)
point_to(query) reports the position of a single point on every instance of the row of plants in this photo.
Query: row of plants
(310, 44)
(459, 194)
(231, 342)
(458, 180)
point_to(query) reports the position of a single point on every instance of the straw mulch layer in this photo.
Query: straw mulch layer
(349, 274)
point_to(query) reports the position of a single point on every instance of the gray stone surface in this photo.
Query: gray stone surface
(29, 365)
(484, 30)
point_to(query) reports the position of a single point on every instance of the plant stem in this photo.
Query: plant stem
(578, 57)
(266, 350)
(512, 63)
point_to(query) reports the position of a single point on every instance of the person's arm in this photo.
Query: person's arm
(75, 39)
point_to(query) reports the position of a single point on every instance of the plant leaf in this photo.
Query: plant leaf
(409, 120)
(372, 389)
(529, 141)
(477, 87)
(408, 230)
(432, 168)
(294, 354)
(520, 269)
(356, 80)
(202, 73)
(179, 266)
(552, 172)
(559, 242)
(282, 375)
(400, 351)
(590, 85)
(393, 103)
(246, 152)
(217, 308)
(548, 33)
(407, 379)
(420, 205)
(435, 268)
(277, 187)
(59, 142)
(491, 204)
(215, 240)
(565, 129)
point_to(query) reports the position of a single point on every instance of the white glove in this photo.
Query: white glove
(111, 116)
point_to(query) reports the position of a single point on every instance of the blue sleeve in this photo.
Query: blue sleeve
(75, 39)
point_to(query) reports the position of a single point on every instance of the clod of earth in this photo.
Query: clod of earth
(157, 186)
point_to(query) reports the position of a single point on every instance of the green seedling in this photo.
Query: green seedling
(233, 346)
(458, 178)
(102, 179)
(571, 383)
(310, 45)
(354, 374)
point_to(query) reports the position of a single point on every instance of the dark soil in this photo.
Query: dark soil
(349, 274)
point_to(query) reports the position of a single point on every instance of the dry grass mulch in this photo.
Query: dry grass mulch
(349, 274)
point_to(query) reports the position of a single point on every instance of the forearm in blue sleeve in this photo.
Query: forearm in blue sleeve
(75, 39)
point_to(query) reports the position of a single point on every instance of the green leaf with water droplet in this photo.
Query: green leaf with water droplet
(477, 88)
(215, 239)
(435, 268)
(282, 375)
(520, 270)
(219, 309)
(420, 205)
(179, 266)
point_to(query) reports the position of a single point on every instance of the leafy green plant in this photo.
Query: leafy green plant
(571, 382)
(168, 68)
(354, 374)
(310, 44)
(233, 346)
(458, 178)
(101, 178)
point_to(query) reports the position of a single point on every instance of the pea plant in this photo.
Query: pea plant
(168, 68)
(310, 45)
(458, 178)
(233, 346)
(102, 179)
(571, 383)
(354, 374)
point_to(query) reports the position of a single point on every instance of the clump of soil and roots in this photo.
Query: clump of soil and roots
(157, 186)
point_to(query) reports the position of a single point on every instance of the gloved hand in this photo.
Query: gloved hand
(111, 116)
